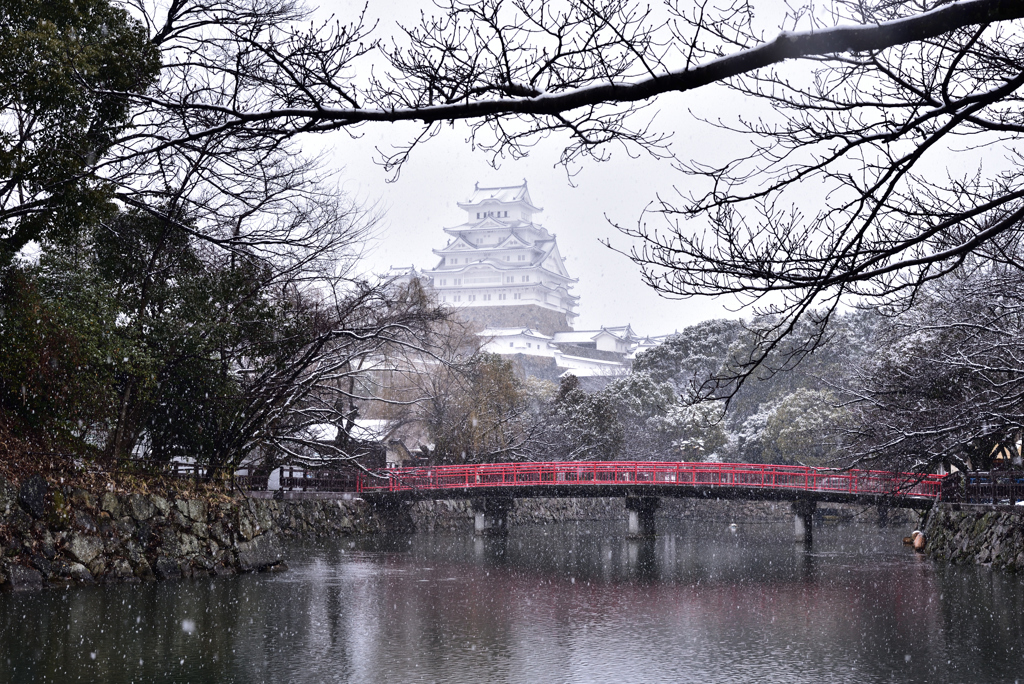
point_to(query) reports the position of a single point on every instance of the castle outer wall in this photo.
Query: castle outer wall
(530, 316)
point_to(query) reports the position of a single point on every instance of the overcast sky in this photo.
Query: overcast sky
(441, 173)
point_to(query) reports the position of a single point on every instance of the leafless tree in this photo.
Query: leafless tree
(362, 342)
(844, 194)
(865, 95)
(839, 197)
(947, 385)
(862, 186)
(481, 411)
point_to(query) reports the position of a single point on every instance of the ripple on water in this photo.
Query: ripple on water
(553, 604)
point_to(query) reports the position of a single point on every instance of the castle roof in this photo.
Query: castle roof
(506, 194)
(507, 332)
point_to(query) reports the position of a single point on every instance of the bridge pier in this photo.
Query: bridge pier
(490, 515)
(396, 514)
(883, 515)
(803, 514)
(641, 515)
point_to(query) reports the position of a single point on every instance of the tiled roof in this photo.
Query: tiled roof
(504, 193)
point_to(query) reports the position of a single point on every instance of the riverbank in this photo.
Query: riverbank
(570, 603)
(52, 535)
(55, 535)
(979, 535)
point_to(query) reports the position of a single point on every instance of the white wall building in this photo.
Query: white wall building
(584, 353)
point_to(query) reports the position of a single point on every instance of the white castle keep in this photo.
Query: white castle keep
(503, 272)
(501, 258)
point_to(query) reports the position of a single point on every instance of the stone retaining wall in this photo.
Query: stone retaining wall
(429, 516)
(62, 535)
(52, 534)
(982, 535)
(738, 511)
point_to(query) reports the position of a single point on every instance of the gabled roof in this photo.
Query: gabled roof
(621, 331)
(456, 245)
(549, 249)
(483, 224)
(488, 223)
(576, 336)
(512, 237)
(608, 333)
(503, 193)
(624, 333)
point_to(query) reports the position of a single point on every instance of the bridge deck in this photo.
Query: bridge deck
(647, 478)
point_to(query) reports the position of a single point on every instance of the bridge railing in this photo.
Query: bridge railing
(640, 473)
(318, 480)
(985, 487)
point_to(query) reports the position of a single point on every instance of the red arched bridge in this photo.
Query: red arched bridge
(494, 486)
(653, 479)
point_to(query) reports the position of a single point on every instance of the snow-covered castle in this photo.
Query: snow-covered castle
(503, 271)
(500, 267)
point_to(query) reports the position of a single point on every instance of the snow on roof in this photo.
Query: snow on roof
(594, 372)
(624, 331)
(513, 236)
(562, 358)
(323, 432)
(364, 429)
(506, 332)
(502, 193)
(574, 336)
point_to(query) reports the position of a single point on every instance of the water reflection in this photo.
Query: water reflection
(572, 603)
(642, 564)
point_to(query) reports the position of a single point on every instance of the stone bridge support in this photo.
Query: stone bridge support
(395, 514)
(641, 515)
(491, 515)
(803, 514)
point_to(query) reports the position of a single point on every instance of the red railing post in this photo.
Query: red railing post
(705, 474)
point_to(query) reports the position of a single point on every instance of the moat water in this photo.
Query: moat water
(556, 603)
